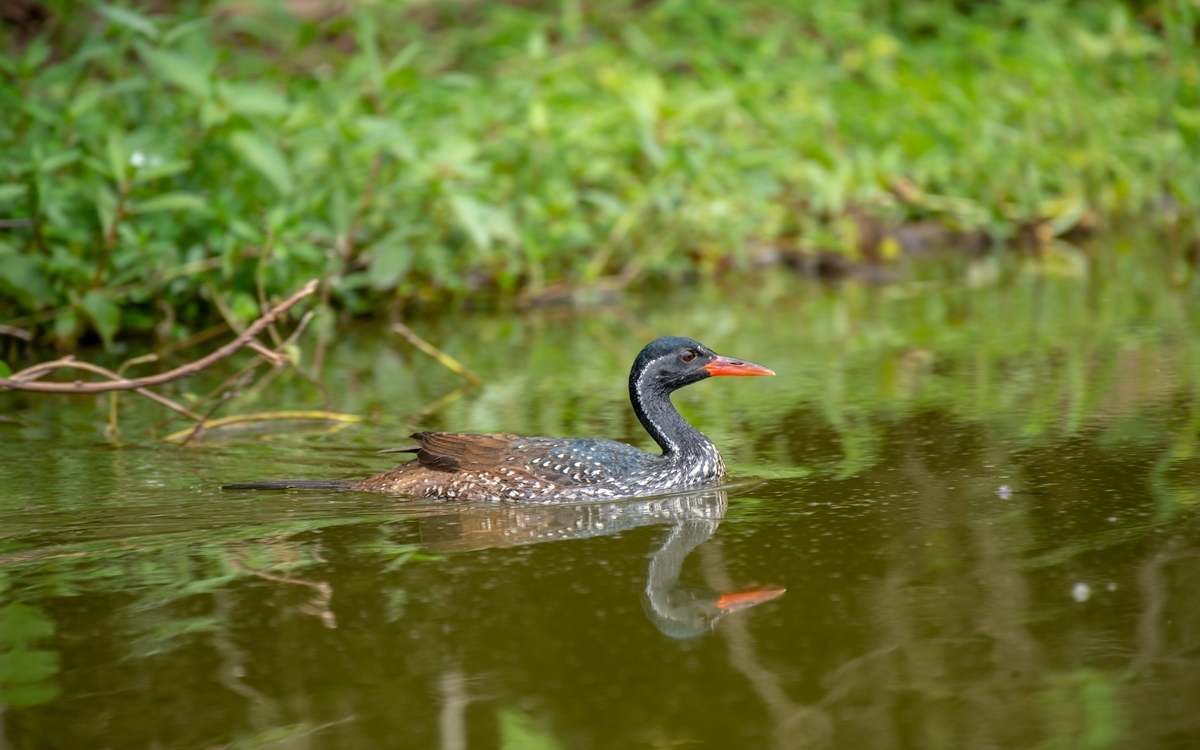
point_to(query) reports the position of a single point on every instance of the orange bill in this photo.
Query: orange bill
(727, 366)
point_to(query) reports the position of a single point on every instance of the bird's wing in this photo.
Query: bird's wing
(455, 451)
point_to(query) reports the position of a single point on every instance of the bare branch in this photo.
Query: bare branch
(15, 332)
(338, 420)
(444, 359)
(38, 370)
(88, 367)
(121, 384)
(271, 356)
(31, 374)
(226, 396)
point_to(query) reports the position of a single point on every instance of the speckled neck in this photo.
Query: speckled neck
(651, 401)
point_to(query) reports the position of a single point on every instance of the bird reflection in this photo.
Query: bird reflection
(676, 610)
(685, 611)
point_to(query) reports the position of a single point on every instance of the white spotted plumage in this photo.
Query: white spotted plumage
(570, 469)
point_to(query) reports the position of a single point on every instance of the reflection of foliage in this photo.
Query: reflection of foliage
(396, 554)
(24, 670)
(283, 736)
(157, 631)
(394, 602)
(168, 572)
(519, 731)
(1086, 708)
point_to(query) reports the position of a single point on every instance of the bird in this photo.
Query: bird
(511, 468)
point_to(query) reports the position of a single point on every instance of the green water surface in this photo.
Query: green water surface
(977, 484)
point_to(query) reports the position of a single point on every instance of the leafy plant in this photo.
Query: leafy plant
(158, 171)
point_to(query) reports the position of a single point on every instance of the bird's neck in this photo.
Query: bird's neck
(676, 438)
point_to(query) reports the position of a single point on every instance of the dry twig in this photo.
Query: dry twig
(19, 333)
(26, 380)
(339, 421)
(444, 359)
(31, 374)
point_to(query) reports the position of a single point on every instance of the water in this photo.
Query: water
(968, 509)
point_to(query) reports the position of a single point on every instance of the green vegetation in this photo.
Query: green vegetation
(159, 172)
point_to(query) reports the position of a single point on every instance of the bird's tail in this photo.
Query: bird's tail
(293, 484)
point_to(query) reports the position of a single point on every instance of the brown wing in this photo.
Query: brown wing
(455, 451)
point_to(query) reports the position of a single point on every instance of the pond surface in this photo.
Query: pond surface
(964, 517)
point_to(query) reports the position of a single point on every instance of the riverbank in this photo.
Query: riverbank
(165, 171)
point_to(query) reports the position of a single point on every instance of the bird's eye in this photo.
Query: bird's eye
(688, 355)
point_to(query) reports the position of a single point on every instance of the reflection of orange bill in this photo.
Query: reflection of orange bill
(742, 599)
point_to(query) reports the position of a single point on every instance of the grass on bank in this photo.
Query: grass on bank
(162, 171)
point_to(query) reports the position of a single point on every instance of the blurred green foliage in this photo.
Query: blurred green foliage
(156, 168)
